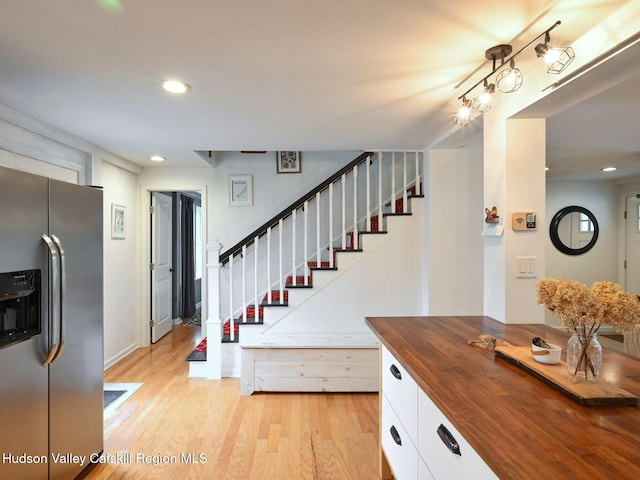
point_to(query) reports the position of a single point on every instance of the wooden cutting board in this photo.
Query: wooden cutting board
(596, 393)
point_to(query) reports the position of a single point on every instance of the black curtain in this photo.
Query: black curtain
(188, 291)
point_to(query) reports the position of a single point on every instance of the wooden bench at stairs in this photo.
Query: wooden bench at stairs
(310, 363)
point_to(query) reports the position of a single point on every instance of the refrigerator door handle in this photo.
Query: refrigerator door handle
(54, 299)
(63, 293)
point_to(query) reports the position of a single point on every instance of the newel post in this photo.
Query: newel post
(214, 323)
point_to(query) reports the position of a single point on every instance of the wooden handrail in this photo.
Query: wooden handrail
(262, 230)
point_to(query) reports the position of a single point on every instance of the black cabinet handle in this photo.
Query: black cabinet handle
(395, 435)
(449, 440)
(396, 373)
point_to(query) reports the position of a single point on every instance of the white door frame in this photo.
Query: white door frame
(624, 191)
(145, 253)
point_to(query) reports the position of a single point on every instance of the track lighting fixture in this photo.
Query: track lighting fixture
(509, 78)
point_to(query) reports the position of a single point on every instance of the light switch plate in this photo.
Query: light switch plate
(526, 267)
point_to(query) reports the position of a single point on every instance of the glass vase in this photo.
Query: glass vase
(584, 357)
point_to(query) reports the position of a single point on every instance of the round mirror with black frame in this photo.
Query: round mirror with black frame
(574, 230)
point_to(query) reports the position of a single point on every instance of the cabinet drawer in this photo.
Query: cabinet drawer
(400, 451)
(402, 392)
(423, 472)
(442, 462)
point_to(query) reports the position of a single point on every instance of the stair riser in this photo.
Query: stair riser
(347, 260)
(394, 222)
(274, 314)
(321, 278)
(371, 242)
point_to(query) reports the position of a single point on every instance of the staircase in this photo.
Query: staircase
(283, 257)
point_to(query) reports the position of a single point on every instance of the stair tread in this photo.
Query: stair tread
(227, 339)
(260, 321)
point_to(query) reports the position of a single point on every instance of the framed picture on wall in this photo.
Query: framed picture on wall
(118, 221)
(240, 190)
(289, 162)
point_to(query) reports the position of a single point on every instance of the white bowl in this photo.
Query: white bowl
(550, 356)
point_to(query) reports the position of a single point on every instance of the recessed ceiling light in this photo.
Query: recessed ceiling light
(609, 169)
(157, 158)
(175, 86)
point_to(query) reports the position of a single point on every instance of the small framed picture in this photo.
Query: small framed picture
(118, 221)
(289, 162)
(240, 190)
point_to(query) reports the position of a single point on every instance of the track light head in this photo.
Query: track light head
(482, 103)
(542, 48)
(510, 79)
(463, 115)
(558, 59)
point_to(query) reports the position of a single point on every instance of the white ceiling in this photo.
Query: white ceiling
(271, 75)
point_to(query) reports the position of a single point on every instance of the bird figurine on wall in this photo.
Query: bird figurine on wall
(492, 215)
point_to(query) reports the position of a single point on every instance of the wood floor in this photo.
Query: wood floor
(203, 429)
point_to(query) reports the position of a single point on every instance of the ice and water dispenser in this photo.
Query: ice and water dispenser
(19, 306)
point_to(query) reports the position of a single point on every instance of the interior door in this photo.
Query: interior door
(632, 272)
(161, 265)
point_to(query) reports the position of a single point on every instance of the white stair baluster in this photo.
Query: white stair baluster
(355, 208)
(393, 182)
(418, 186)
(318, 250)
(343, 184)
(331, 253)
(368, 212)
(405, 206)
(255, 277)
(306, 239)
(280, 260)
(293, 247)
(269, 296)
(231, 320)
(380, 191)
(244, 283)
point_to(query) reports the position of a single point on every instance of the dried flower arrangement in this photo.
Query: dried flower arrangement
(583, 310)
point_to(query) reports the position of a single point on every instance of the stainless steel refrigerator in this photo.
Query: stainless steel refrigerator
(51, 331)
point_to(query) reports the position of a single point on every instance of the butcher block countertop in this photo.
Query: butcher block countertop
(520, 426)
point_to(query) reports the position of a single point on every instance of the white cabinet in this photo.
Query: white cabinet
(402, 392)
(398, 446)
(418, 441)
(443, 449)
(399, 420)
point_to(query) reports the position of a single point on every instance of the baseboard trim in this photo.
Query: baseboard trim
(120, 355)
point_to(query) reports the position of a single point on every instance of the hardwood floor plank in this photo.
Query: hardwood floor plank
(176, 427)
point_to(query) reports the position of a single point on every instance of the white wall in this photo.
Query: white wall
(453, 239)
(272, 192)
(121, 293)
